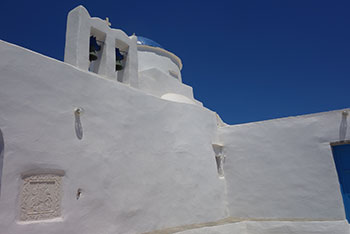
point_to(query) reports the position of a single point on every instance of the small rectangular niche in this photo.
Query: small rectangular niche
(121, 58)
(96, 51)
(220, 159)
(41, 197)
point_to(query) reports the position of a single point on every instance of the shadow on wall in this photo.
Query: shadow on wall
(2, 146)
(343, 126)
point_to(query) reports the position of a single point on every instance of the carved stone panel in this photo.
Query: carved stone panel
(41, 197)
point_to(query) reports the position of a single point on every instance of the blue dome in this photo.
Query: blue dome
(146, 41)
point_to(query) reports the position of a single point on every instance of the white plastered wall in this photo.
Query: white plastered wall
(143, 163)
(284, 169)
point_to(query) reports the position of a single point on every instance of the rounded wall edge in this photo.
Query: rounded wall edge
(161, 52)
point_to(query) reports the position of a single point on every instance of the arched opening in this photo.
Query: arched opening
(121, 59)
(96, 49)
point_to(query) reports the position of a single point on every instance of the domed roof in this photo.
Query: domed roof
(146, 41)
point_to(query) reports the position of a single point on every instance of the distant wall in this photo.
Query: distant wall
(284, 168)
(141, 164)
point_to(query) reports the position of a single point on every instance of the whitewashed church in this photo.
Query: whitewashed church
(111, 141)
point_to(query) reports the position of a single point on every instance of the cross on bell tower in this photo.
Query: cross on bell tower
(107, 22)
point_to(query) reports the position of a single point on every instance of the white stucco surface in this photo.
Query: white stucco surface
(283, 168)
(142, 164)
(132, 151)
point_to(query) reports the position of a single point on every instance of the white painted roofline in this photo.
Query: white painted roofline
(170, 55)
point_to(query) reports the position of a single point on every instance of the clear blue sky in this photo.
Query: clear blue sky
(246, 60)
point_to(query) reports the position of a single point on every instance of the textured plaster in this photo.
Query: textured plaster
(41, 197)
(284, 167)
(127, 161)
(143, 163)
(147, 164)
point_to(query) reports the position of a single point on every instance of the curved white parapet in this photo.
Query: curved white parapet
(174, 97)
(162, 52)
(155, 57)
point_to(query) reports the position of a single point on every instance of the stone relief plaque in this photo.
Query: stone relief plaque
(41, 197)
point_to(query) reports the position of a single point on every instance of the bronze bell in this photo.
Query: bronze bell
(94, 47)
(92, 55)
(118, 65)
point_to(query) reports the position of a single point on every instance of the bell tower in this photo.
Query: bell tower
(91, 45)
